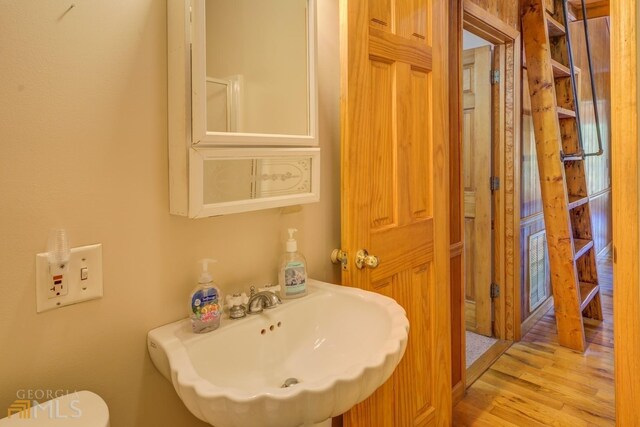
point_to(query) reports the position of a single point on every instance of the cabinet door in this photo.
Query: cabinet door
(213, 104)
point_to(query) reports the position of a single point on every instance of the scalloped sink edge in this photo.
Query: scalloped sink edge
(342, 343)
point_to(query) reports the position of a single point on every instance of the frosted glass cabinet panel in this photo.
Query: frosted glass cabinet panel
(231, 180)
(246, 179)
(242, 84)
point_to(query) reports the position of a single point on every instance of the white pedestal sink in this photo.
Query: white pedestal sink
(340, 344)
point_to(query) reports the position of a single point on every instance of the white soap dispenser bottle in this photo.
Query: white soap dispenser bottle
(205, 304)
(292, 276)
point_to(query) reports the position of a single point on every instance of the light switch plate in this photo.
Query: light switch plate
(89, 257)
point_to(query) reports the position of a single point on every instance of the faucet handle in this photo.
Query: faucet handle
(232, 300)
(252, 291)
(237, 312)
(236, 306)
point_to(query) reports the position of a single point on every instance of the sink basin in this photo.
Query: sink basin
(333, 348)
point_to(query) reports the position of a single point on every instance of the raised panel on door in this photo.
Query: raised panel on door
(394, 102)
(381, 145)
(414, 291)
(375, 412)
(477, 193)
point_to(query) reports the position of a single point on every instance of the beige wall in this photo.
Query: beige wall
(83, 118)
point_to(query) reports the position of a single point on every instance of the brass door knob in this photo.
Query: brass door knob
(363, 259)
(338, 256)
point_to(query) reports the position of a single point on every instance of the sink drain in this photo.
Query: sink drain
(290, 382)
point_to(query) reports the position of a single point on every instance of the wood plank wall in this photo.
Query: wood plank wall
(532, 220)
(598, 168)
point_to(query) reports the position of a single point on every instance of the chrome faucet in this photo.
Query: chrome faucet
(261, 300)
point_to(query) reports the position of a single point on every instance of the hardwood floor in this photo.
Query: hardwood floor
(538, 383)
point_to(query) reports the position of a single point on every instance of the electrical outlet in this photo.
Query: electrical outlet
(58, 286)
(79, 280)
(57, 278)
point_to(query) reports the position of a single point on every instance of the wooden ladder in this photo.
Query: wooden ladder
(567, 217)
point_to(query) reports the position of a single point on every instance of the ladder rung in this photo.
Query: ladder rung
(575, 201)
(559, 70)
(555, 28)
(565, 113)
(587, 292)
(572, 158)
(581, 246)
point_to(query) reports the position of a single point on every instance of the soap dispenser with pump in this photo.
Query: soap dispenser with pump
(205, 304)
(292, 276)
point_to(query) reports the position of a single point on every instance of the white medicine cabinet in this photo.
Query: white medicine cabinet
(242, 105)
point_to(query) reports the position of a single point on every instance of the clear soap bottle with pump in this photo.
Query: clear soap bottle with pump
(292, 275)
(205, 304)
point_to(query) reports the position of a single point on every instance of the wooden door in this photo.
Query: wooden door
(395, 192)
(476, 87)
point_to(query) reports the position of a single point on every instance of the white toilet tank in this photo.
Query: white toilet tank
(78, 409)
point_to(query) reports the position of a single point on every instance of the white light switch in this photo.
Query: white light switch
(79, 284)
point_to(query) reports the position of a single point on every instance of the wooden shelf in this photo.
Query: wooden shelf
(564, 113)
(581, 246)
(555, 28)
(587, 292)
(575, 201)
(559, 70)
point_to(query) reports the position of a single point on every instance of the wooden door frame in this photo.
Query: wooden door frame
(626, 201)
(507, 168)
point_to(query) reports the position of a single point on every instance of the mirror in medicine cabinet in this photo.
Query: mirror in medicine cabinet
(241, 75)
(257, 66)
(253, 72)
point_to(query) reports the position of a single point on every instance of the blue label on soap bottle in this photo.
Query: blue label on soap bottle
(205, 306)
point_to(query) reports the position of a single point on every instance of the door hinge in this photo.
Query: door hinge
(495, 77)
(494, 183)
(495, 290)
